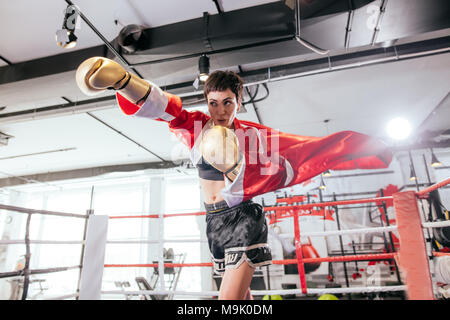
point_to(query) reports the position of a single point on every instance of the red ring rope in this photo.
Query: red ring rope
(300, 261)
(298, 207)
(331, 203)
(441, 254)
(379, 256)
(433, 187)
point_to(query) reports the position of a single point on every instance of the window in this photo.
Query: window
(183, 196)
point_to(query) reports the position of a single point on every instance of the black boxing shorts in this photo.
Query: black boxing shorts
(237, 234)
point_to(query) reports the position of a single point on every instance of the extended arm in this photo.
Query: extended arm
(139, 97)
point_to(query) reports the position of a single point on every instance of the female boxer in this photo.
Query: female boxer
(236, 160)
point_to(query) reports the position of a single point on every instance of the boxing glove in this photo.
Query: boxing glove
(219, 146)
(98, 74)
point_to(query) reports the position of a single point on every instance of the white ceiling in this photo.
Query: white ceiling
(27, 28)
(360, 99)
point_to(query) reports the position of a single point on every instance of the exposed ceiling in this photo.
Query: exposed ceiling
(379, 65)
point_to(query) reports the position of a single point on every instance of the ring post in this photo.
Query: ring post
(413, 256)
(94, 258)
(298, 249)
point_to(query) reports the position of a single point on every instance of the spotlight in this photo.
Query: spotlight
(434, 160)
(66, 38)
(399, 128)
(203, 77)
(327, 173)
(203, 68)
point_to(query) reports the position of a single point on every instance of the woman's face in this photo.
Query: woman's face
(223, 106)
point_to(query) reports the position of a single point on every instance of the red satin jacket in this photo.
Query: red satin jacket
(271, 159)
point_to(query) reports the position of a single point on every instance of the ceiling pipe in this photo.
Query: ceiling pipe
(38, 153)
(331, 68)
(348, 28)
(265, 75)
(243, 29)
(378, 22)
(258, 117)
(127, 137)
(303, 42)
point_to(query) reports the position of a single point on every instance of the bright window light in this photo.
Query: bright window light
(399, 128)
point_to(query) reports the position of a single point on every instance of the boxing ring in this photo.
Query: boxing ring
(26, 272)
(413, 257)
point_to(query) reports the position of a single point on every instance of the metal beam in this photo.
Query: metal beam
(340, 62)
(444, 144)
(233, 34)
(45, 178)
(46, 66)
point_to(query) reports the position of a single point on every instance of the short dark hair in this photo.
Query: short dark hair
(223, 80)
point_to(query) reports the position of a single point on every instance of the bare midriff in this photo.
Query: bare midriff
(211, 190)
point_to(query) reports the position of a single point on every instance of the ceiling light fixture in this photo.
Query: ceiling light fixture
(322, 184)
(66, 38)
(4, 138)
(412, 174)
(434, 160)
(203, 68)
(327, 173)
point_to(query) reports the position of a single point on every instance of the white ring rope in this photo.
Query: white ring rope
(305, 234)
(154, 241)
(310, 234)
(67, 296)
(42, 242)
(349, 231)
(315, 291)
(436, 224)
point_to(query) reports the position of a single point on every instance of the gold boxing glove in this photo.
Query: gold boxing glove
(97, 74)
(220, 147)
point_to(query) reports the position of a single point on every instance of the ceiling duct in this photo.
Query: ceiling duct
(246, 27)
(132, 38)
(252, 35)
(220, 31)
(323, 23)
